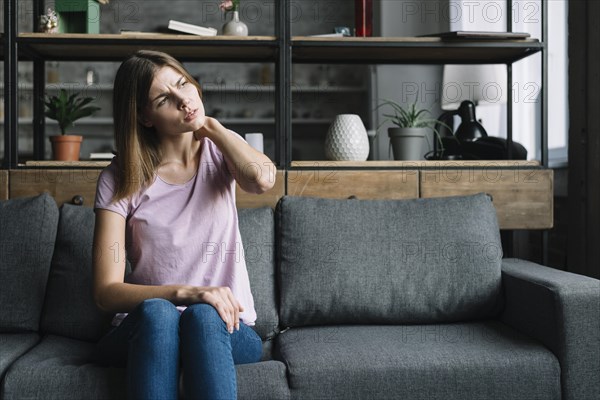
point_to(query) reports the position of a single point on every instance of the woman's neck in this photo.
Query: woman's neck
(182, 151)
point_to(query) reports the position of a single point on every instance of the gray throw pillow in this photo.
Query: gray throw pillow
(388, 261)
(257, 227)
(69, 309)
(27, 233)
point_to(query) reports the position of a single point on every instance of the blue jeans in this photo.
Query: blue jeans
(154, 340)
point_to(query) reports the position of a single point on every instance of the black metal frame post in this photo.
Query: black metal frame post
(282, 86)
(509, 84)
(39, 80)
(11, 115)
(39, 121)
(544, 130)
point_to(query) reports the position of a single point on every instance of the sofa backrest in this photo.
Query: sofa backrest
(27, 234)
(69, 309)
(387, 261)
(257, 227)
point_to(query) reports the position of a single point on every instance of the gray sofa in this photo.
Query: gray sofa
(356, 299)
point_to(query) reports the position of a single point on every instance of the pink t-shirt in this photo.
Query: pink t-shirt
(185, 234)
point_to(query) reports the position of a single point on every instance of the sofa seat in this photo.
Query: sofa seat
(60, 368)
(481, 360)
(14, 345)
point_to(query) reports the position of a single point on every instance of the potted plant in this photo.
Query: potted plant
(412, 128)
(66, 109)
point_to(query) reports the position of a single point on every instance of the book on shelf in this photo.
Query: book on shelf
(127, 32)
(191, 29)
(339, 35)
(480, 35)
(101, 156)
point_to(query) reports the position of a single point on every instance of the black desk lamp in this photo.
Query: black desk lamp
(469, 129)
(471, 141)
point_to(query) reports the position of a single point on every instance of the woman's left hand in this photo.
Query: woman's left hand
(210, 126)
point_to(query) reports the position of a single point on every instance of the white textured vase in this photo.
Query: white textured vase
(347, 139)
(235, 27)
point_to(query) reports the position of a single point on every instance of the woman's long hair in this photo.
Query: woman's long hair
(138, 150)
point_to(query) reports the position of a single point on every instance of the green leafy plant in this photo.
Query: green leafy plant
(412, 117)
(66, 109)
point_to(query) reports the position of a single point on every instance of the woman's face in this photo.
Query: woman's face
(174, 104)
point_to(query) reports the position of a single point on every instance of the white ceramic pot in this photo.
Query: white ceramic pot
(347, 139)
(235, 27)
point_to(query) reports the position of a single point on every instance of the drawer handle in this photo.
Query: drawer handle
(77, 200)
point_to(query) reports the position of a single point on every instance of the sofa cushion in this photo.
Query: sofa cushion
(60, 368)
(28, 230)
(485, 360)
(257, 227)
(13, 346)
(388, 261)
(69, 309)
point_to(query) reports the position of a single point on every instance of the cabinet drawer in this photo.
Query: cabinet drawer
(62, 184)
(3, 185)
(523, 197)
(378, 184)
(267, 199)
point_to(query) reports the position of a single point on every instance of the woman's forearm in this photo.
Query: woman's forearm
(254, 171)
(124, 297)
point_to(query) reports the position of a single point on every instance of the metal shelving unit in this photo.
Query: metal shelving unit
(281, 49)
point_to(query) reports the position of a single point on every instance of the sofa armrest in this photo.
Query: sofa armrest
(561, 310)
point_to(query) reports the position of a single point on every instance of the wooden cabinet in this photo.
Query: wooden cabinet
(3, 185)
(78, 186)
(523, 197)
(267, 199)
(522, 191)
(335, 183)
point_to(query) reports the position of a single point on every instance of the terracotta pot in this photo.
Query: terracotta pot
(66, 147)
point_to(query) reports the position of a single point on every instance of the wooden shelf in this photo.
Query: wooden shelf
(306, 49)
(417, 164)
(415, 50)
(115, 47)
(67, 164)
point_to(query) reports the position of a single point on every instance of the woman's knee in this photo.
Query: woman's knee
(157, 313)
(202, 314)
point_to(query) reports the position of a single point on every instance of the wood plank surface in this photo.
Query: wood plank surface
(67, 164)
(115, 47)
(267, 199)
(144, 35)
(417, 164)
(62, 184)
(523, 197)
(383, 184)
(3, 185)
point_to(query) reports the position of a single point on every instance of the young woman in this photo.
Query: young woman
(168, 200)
